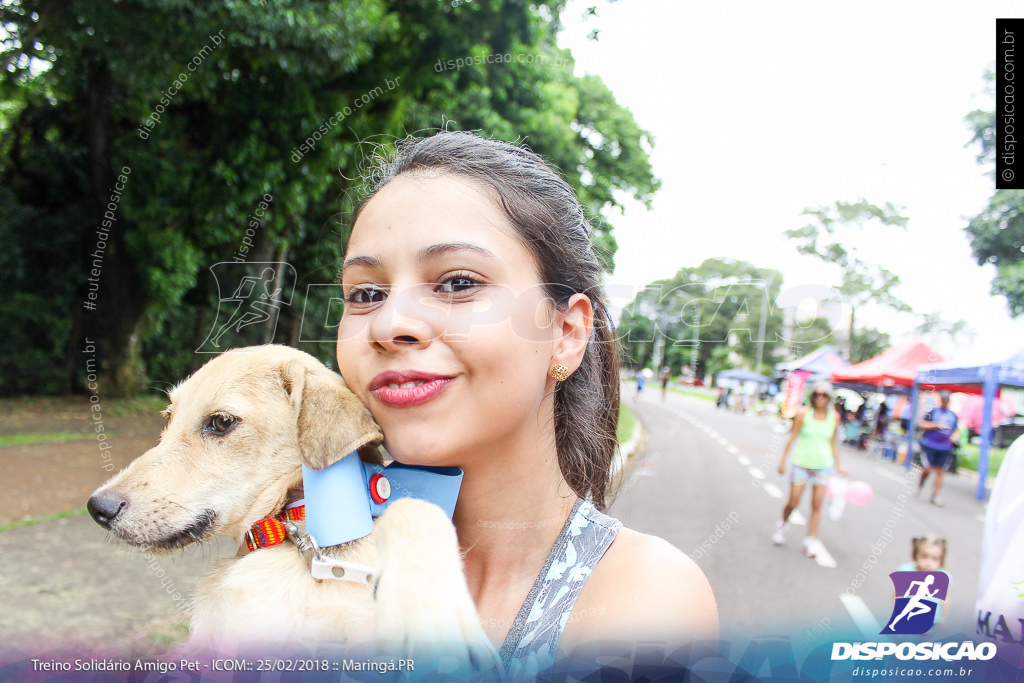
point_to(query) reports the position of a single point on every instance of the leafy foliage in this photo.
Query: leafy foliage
(868, 342)
(861, 283)
(997, 233)
(717, 305)
(243, 127)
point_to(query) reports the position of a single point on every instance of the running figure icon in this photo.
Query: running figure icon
(250, 309)
(914, 612)
(915, 605)
(250, 299)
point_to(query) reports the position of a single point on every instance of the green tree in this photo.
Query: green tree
(868, 342)
(997, 233)
(215, 106)
(807, 335)
(934, 326)
(861, 282)
(718, 304)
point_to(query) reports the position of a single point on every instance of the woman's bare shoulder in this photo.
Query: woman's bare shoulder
(644, 589)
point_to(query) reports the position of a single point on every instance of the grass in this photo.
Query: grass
(652, 387)
(39, 408)
(709, 396)
(145, 404)
(39, 520)
(968, 458)
(627, 423)
(53, 437)
(167, 638)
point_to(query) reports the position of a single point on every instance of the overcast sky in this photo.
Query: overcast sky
(760, 110)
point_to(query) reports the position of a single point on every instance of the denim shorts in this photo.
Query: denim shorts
(935, 457)
(803, 476)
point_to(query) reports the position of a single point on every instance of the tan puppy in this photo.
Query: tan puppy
(237, 434)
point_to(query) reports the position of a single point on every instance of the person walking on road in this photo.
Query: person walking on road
(816, 435)
(940, 431)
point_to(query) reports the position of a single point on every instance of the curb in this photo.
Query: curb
(625, 458)
(628, 450)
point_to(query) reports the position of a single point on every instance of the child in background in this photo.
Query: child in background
(929, 555)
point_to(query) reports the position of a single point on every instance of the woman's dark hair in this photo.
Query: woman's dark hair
(545, 214)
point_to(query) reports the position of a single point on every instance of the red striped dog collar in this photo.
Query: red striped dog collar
(270, 531)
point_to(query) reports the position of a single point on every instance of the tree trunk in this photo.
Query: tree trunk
(117, 319)
(279, 332)
(852, 313)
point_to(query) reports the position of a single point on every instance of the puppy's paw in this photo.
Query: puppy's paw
(423, 604)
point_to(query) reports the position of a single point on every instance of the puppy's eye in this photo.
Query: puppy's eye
(220, 424)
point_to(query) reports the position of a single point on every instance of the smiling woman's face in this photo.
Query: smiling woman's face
(447, 333)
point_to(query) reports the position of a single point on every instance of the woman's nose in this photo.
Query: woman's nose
(404, 319)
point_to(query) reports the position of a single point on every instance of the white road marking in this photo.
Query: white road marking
(772, 490)
(824, 557)
(733, 450)
(755, 473)
(722, 440)
(797, 519)
(889, 475)
(862, 616)
(743, 460)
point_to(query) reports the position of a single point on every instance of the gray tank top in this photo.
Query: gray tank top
(532, 641)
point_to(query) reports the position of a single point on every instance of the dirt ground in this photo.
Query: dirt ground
(65, 585)
(44, 479)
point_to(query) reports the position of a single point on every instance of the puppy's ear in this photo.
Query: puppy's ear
(331, 422)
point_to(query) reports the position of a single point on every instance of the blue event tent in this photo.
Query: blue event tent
(741, 375)
(989, 377)
(820, 363)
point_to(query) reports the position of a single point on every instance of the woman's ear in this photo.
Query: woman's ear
(575, 323)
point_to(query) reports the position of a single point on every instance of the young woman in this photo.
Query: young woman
(476, 331)
(816, 434)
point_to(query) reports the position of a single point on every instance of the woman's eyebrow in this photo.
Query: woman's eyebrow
(435, 250)
(371, 262)
(425, 254)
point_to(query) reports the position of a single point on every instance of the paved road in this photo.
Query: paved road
(708, 484)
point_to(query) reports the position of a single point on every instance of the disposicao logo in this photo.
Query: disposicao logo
(914, 612)
(918, 595)
(949, 652)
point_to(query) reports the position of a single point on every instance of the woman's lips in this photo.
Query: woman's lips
(408, 388)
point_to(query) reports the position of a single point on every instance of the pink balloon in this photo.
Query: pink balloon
(859, 493)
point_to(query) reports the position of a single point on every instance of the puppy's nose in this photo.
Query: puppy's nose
(104, 507)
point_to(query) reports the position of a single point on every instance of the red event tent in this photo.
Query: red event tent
(893, 372)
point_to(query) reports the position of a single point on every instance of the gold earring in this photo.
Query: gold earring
(559, 373)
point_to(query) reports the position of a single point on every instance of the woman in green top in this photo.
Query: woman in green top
(817, 451)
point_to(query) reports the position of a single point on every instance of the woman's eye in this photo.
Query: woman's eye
(457, 284)
(365, 296)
